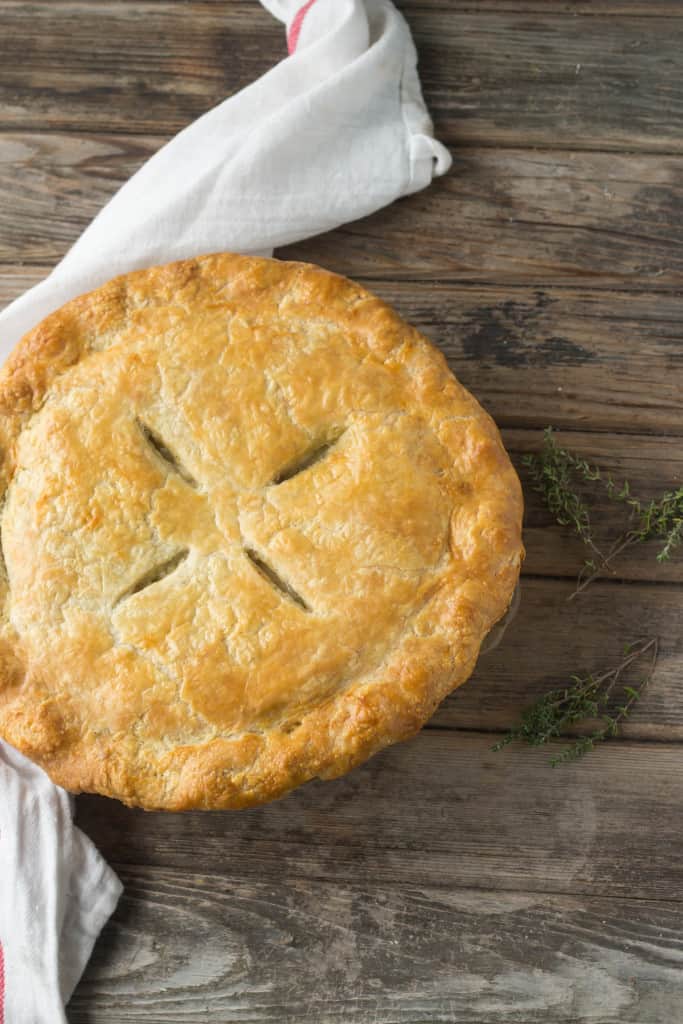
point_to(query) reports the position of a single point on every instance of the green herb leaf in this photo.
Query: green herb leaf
(558, 475)
(587, 697)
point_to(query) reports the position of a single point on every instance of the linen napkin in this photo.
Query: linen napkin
(56, 893)
(330, 134)
(333, 133)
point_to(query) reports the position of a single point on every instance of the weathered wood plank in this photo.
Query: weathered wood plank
(490, 76)
(652, 465)
(14, 280)
(508, 215)
(551, 638)
(149, 67)
(646, 8)
(643, 8)
(442, 810)
(194, 947)
(51, 187)
(505, 79)
(523, 216)
(582, 359)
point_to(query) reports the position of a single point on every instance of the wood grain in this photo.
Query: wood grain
(579, 358)
(194, 947)
(550, 639)
(646, 8)
(16, 279)
(607, 361)
(491, 77)
(442, 810)
(53, 185)
(652, 465)
(523, 216)
(500, 215)
(112, 66)
(591, 8)
(502, 78)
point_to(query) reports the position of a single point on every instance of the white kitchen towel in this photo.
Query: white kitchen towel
(56, 893)
(337, 130)
(333, 132)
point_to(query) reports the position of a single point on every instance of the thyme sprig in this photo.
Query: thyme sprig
(558, 474)
(553, 471)
(586, 697)
(562, 478)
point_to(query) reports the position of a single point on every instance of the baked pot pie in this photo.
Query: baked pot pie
(253, 530)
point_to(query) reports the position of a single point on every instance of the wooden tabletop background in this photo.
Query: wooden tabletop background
(441, 882)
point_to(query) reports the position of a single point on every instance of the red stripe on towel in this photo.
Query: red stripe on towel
(293, 36)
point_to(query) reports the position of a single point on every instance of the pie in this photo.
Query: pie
(253, 530)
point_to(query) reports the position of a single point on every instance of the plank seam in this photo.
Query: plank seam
(612, 581)
(618, 740)
(457, 142)
(134, 866)
(459, 146)
(466, 284)
(637, 14)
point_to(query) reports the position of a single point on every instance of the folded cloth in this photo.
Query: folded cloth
(333, 132)
(56, 893)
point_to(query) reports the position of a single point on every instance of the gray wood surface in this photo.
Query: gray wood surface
(441, 882)
(444, 810)
(308, 951)
(496, 76)
(508, 216)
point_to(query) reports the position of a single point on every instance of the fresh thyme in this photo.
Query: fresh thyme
(558, 476)
(553, 472)
(586, 697)
(562, 479)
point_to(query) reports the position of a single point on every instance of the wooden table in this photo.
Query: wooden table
(442, 881)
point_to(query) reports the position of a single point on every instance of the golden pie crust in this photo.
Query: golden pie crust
(253, 531)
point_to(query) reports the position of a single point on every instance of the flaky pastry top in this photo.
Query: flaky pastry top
(253, 530)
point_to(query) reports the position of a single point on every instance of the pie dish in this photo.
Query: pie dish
(253, 530)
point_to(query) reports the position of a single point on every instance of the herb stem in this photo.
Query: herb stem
(556, 472)
(586, 698)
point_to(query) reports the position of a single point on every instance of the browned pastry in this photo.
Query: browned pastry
(254, 530)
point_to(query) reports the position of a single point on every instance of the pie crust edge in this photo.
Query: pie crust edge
(434, 657)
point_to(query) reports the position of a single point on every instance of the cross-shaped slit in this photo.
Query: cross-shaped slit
(154, 575)
(163, 452)
(275, 579)
(316, 453)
